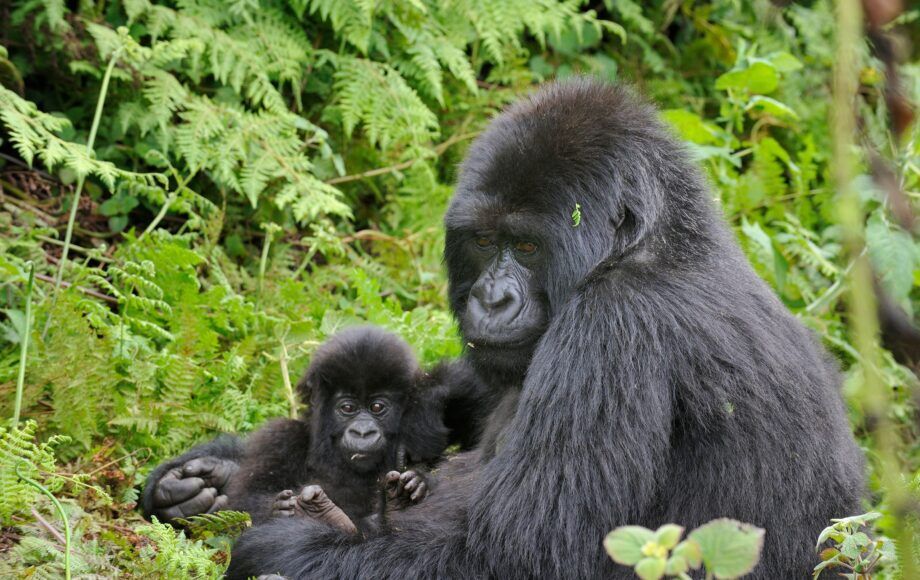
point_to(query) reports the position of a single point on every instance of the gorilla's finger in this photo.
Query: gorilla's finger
(220, 502)
(214, 470)
(408, 475)
(171, 489)
(412, 484)
(420, 493)
(391, 477)
(286, 494)
(199, 504)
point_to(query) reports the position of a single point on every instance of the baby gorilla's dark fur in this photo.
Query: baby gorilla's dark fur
(371, 408)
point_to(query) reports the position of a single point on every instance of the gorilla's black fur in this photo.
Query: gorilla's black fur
(363, 365)
(669, 384)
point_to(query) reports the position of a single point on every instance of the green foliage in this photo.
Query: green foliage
(18, 448)
(172, 556)
(850, 551)
(726, 549)
(266, 172)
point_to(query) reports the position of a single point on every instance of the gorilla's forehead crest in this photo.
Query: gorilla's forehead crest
(363, 360)
(566, 139)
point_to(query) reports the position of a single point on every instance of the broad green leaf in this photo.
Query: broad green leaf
(770, 106)
(760, 77)
(730, 548)
(625, 544)
(691, 126)
(676, 565)
(650, 568)
(689, 550)
(784, 62)
(668, 535)
(894, 257)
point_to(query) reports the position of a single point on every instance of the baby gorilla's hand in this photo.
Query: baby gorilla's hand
(405, 488)
(315, 503)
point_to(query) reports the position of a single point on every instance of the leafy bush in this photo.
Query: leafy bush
(264, 172)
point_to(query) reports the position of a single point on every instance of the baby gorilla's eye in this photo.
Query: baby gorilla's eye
(526, 247)
(377, 408)
(483, 242)
(347, 408)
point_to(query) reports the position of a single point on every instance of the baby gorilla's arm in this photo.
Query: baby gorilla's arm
(312, 502)
(404, 489)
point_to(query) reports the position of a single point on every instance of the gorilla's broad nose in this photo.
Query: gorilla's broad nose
(367, 432)
(497, 298)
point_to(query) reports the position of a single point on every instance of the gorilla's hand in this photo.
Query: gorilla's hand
(316, 504)
(405, 488)
(196, 487)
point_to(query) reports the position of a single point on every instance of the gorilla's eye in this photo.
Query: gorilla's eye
(347, 408)
(526, 247)
(377, 407)
(483, 242)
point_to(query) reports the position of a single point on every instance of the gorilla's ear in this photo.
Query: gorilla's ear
(625, 229)
(308, 388)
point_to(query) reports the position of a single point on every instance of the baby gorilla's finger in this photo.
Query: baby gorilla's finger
(220, 502)
(214, 470)
(199, 504)
(420, 493)
(173, 488)
(286, 494)
(412, 483)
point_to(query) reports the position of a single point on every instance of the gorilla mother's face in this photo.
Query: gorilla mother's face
(502, 310)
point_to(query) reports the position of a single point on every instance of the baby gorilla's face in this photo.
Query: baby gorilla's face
(366, 427)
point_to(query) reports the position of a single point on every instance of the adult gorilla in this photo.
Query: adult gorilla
(659, 379)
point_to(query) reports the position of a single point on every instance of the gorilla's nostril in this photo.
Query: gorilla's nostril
(364, 432)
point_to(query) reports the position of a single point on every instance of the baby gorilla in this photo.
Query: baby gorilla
(371, 409)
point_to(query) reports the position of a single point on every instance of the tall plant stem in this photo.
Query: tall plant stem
(24, 346)
(873, 395)
(71, 219)
(60, 510)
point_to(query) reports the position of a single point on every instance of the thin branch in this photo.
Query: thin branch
(86, 291)
(438, 150)
(47, 525)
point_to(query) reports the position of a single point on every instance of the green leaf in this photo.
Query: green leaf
(690, 551)
(770, 106)
(894, 257)
(650, 568)
(784, 62)
(624, 544)
(676, 565)
(118, 205)
(730, 548)
(691, 126)
(760, 77)
(668, 535)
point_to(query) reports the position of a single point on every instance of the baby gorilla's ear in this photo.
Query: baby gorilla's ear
(308, 388)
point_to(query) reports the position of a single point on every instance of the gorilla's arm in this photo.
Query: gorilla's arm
(452, 409)
(193, 483)
(276, 458)
(468, 401)
(579, 457)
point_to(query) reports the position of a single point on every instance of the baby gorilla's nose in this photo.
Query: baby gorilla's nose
(366, 432)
